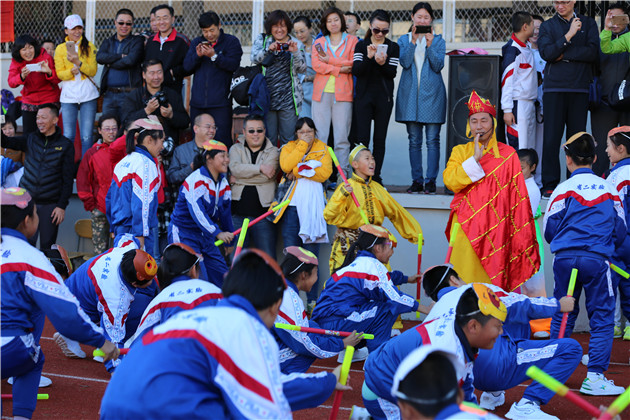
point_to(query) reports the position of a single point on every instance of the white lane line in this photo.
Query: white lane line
(330, 406)
(75, 377)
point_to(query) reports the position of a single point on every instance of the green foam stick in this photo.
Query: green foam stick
(43, 396)
(319, 331)
(619, 271)
(547, 381)
(574, 273)
(620, 403)
(241, 237)
(345, 366)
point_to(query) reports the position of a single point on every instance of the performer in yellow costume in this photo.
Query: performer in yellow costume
(497, 242)
(375, 201)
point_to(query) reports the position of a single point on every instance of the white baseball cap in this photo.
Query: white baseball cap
(73, 21)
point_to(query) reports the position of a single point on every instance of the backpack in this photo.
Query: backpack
(241, 81)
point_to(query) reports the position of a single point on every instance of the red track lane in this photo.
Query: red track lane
(79, 398)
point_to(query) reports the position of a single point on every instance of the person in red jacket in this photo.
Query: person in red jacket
(34, 69)
(94, 178)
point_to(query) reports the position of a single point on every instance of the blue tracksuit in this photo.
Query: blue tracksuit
(132, 199)
(620, 178)
(463, 412)
(299, 350)
(202, 211)
(215, 362)
(182, 294)
(32, 290)
(363, 297)
(108, 299)
(584, 225)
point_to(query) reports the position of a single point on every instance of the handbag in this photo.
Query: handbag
(619, 96)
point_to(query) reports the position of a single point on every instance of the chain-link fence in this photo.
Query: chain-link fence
(474, 21)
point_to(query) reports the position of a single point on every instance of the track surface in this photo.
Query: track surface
(78, 385)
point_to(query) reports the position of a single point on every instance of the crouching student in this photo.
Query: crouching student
(361, 295)
(113, 289)
(179, 276)
(504, 366)
(474, 322)
(298, 350)
(426, 387)
(32, 290)
(217, 362)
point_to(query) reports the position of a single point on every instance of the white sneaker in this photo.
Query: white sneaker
(43, 381)
(600, 386)
(359, 354)
(585, 360)
(395, 332)
(490, 401)
(98, 359)
(70, 348)
(527, 411)
(359, 413)
(541, 334)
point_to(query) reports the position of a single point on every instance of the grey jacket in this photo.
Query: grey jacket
(180, 164)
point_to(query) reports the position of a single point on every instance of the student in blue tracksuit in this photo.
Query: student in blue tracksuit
(202, 212)
(618, 150)
(504, 366)
(179, 276)
(217, 362)
(113, 289)
(132, 199)
(299, 350)
(32, 290)
(473, 321)
(584, 225)
(362, 294)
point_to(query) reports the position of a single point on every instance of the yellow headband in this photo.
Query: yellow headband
(355, 151)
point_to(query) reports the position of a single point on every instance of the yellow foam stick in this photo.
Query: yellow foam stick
(617, 406)
(345, 366)
(619, 271)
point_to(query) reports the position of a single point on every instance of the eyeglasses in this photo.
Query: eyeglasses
(561, 3)
(209, 127)
(252, 131)
(125, 23)
(380, 31)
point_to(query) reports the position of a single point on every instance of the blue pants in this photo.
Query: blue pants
(86, 113)
(23, 359)
(300, 364)
(112, 104)
(414, 132)
(505, 365)
(594, 277)
(621, 285)
(213, 261)
(263, 235)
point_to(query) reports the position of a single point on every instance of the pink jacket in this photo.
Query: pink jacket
(343, 83)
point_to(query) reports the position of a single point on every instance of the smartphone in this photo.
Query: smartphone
(423, 29)
(70, 45)
(34, 67)
(319, 49)
(381, 49)
(205, 43)
(621, 20)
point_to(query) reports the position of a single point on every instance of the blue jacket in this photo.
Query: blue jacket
(585, 214)
(132, 199)
(31, 288)
(620, 179)
(218, 362)
(211, 84)
(204, 205)
(425, 103)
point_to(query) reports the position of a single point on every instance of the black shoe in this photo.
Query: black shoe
(429, 187)
(416, 188)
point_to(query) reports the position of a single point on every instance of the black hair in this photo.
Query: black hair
(142, 133)
(253, 117)
(48, 40)
(252, 278)
(619, 5)
(21, 42)
(365, 242)
(207, 19)
(328, 12)
(538, 17)
(581, 150)
(275, 17)
(53, 108)
(529, 156)
(519, 19)
(124, 12)
(435, 380)
(9, 120)
(12, 215)
(105, 117)
(84, 45)
(423, 5)
(378, 14)
(303, 19)
(151, 62)
(55, 258)
(127, 268)
(163, 6)
(356, 16)
(176, 261)
(292, 267)
(305, 120)
(621, 139)
(468, 308)
(200, 159)
(436, 279)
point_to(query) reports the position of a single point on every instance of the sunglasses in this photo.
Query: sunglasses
(380, 31)
(252, 131)
(125, 23)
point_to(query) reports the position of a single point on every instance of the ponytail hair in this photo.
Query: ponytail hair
(141, 133)
(365, 242)
(200, 159)
(379, 14)
(84, 46)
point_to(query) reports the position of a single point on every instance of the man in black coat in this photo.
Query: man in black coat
(48, 172)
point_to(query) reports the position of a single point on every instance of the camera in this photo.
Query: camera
(284, 46)
(161, 97)
(169, 145)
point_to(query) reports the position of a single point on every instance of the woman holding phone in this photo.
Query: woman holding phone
(333, 86)
(421, 98)
(375, 64)
(304, 33)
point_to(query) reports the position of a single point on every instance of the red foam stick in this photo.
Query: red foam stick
(343, 378)
(256, 220)
(565, 316)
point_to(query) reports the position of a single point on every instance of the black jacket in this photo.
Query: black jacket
(372, 76)
(48, 166)
(133, 48)
(574, 71)
(612, 69)
(133, 109)
(171, 54)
